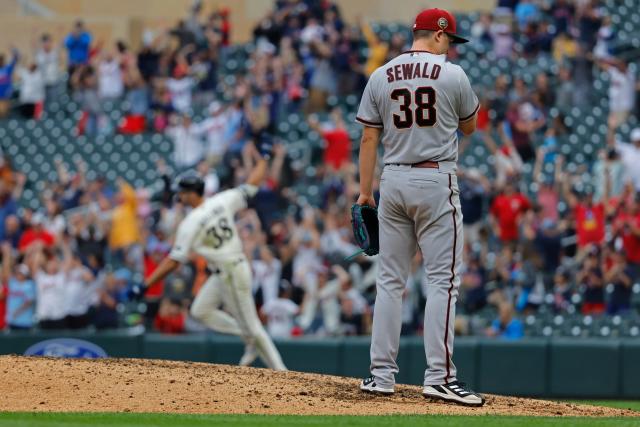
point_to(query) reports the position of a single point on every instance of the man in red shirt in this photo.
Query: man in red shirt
(337, 150)
(627, 225)
(507, 210)
(35, 233)
(590, 217)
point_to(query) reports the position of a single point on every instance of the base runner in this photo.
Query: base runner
(209, 230)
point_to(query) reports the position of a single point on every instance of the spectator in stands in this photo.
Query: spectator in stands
(590, 216)
(355, 315)
(32, 91)
(630, 155)
(35, 234)
(85, 81)
(48, 61)
(110, 295)
(526, 12)
(626, 225)
(621, 90)
(502, 40)
(323, 80)
(12, 230)
(50, 275)
(280, 313)
(473, 283)
(474, 191)
(377, 49)
(606, 34)
(591, 281)
(548, 194)
(589, 19)
(523, 122)
(508, 162)
(609, 171)
(562, 290)
(20, 292)
(78, 43)
(620, 275)
(181, 84)
(8, 205)
(337, 149)
(506, 325)
(565, 92)
(80, 293)
(171, 317)
(267, 273)
(562, 13)
(507, 210)
(187, 145)
(125, 232)
(137, 96)
(564, 48)
(6, 81)
(481, 30)
(213, 129)
(110, 79)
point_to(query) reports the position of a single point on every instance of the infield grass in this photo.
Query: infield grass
(40, 419)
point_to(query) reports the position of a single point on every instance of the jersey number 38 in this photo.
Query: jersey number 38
(424, 112)
(218, 235)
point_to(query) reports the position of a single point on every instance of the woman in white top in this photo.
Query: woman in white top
(31, 91)
(50, 275)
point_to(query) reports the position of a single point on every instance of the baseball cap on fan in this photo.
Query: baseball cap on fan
(438, 19)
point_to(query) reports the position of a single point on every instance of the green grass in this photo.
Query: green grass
(634, 405)
(26, 419)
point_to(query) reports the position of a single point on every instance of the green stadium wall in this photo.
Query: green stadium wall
(554, 367)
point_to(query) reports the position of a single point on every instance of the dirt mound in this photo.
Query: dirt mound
(136, 385)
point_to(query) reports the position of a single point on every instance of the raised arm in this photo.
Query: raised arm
(259, 171)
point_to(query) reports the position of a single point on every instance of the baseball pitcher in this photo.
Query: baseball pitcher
(415, 105)
(209, 230)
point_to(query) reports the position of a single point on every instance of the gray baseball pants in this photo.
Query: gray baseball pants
(419, 209)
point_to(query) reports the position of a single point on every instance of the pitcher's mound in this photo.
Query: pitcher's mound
(137, 385)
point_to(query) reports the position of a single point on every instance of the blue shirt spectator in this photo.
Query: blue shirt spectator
(512, 330)
(6, 74)
(526, 11)
(21, 300)
(78, 43)
(8, 206)
(506, 326)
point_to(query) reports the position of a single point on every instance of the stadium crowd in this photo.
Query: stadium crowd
(570, 245)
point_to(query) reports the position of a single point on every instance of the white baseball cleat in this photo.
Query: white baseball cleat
(369, 385)
(455, 392)
(249, 356)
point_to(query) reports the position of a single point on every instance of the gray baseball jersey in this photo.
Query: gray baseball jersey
(419, 100)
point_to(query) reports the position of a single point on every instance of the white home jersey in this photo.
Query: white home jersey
(209, 230)
(419, 100)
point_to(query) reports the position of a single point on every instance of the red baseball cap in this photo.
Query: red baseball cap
(438, 19)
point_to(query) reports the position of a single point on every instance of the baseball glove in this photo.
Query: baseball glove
(364, 220)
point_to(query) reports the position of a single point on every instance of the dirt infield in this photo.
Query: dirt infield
(136, 385)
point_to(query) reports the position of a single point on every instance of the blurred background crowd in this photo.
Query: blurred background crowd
(549, 183)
